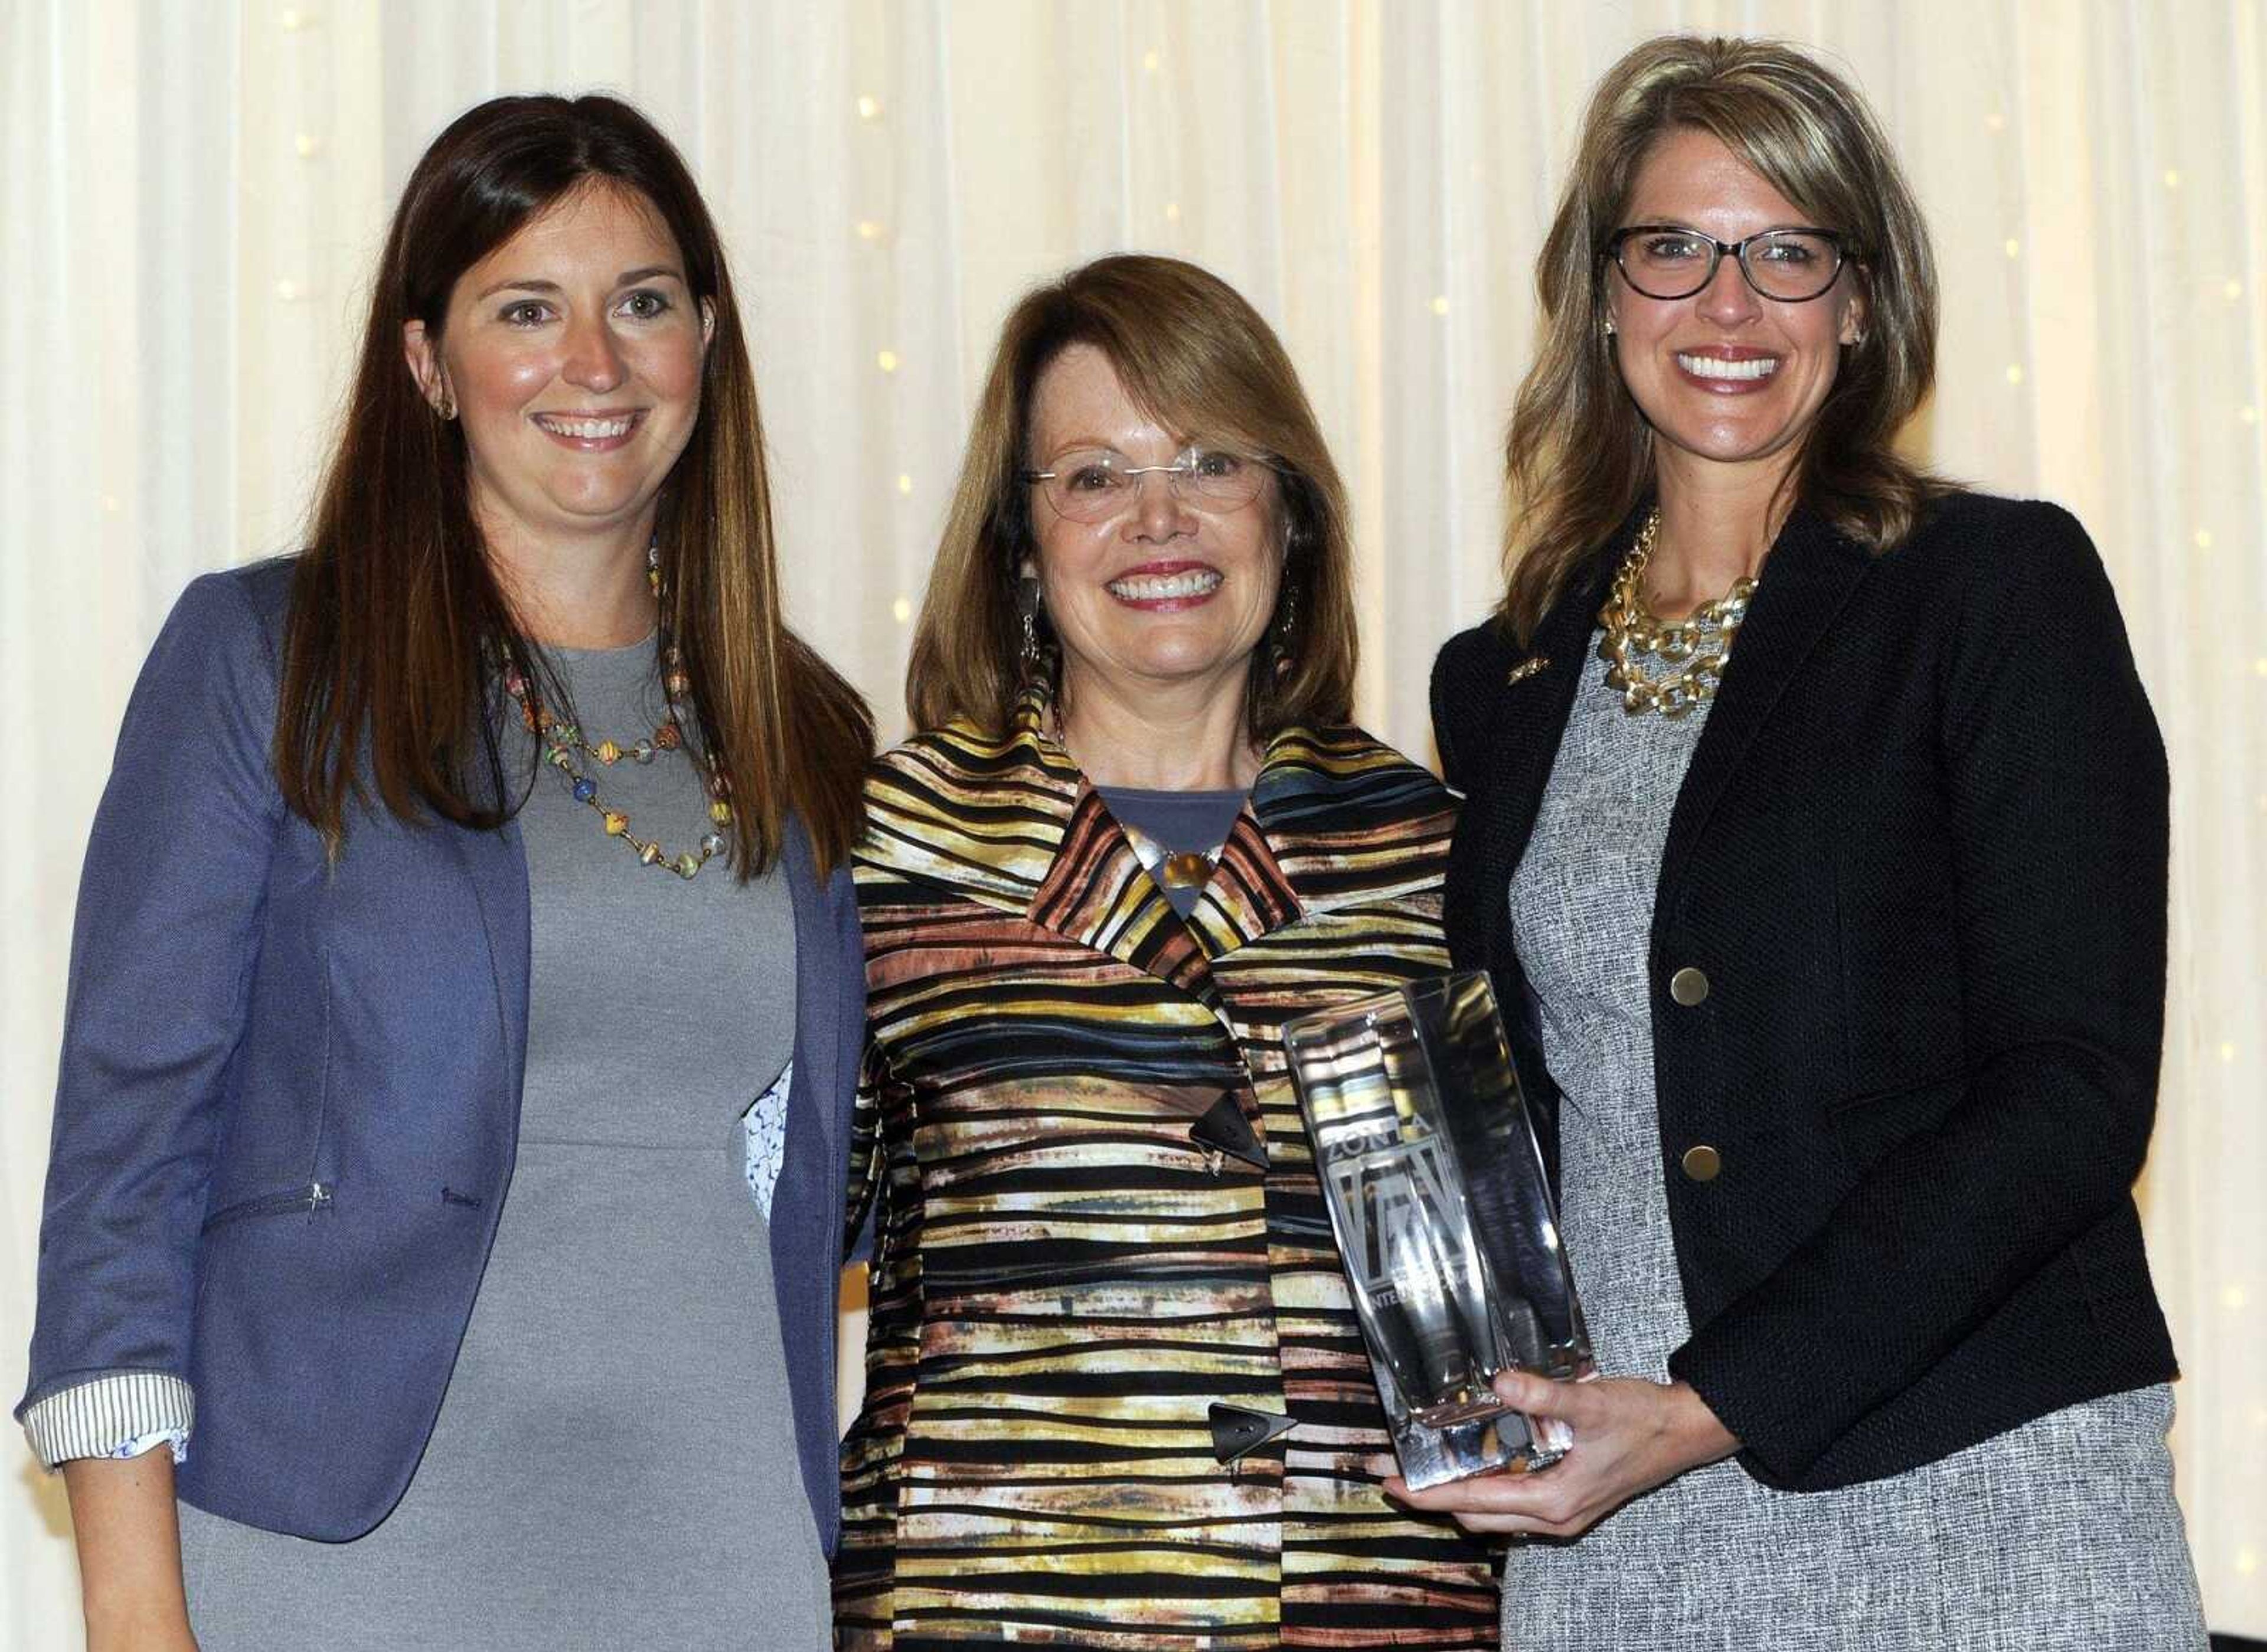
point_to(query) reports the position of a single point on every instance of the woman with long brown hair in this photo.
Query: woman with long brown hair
(1816, 814)
(442, 1219)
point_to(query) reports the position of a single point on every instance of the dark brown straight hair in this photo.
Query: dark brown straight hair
(1201, 361)
(1580, 454)
(398, 623)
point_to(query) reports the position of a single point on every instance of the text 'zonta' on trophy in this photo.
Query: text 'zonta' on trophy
(1442, 1212)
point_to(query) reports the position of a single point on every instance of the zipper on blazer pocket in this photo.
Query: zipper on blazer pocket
(314, 1198)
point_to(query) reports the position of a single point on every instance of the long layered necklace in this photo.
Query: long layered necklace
(564, 746)
(1698, 646)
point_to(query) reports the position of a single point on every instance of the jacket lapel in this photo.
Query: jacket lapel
(1009, 822)
(1534, 698)
(1810, 574)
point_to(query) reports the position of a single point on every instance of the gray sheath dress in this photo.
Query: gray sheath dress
(2061, 1534)
(614, 1465)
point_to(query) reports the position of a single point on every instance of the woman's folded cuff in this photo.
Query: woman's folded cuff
(118, 1414)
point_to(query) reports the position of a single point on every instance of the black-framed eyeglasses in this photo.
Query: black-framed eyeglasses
(1669, 260)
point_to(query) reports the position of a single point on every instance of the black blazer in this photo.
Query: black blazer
(1914, 904)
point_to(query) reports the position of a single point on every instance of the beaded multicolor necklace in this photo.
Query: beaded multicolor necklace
(562, 741)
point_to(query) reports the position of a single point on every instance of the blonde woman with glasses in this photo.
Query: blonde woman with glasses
(1815, 813)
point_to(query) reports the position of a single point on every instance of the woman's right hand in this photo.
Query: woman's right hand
(129, 1554)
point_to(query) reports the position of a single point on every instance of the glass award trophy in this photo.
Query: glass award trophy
(1443, 1214)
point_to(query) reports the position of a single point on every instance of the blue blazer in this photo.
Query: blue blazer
(289, 1101)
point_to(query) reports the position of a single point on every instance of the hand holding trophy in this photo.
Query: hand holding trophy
(1443, 1214)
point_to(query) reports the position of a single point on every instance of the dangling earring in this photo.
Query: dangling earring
(653, 567)
(445, 405)
(1608, 330)
(1032, 657)
(1282, 633)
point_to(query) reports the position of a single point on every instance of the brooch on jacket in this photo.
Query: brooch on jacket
(1532, 665)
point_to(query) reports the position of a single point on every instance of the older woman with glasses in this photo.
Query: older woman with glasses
(1815, 809)
(1116, 1393)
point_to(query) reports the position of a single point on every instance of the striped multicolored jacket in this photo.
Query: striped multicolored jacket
(1066, 1279)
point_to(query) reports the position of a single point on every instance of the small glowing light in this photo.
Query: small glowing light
(886, 360)
(905, 483)
(2204, 538)
(1995, 122)
(293, 18)
(2228, 1052)
(901, 611)
(110, 505)
(2233, 1299)
(1440, 304)
(2233, 291)
(2014, 373)
(288, 290)
(1151, 61)
(2250, 415)
(2172, 178)
(2015, 247)
(306, 144)
(869, 231)
(869, 107)
(2259, 666)
(2246, 1561)
(1173, 212)
(2259, 1417)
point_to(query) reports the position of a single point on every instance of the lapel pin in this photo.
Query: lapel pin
(1532, 665)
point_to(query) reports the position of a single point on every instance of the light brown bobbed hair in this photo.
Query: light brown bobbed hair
(398, 624)
(1580, 454)
(1198, 359)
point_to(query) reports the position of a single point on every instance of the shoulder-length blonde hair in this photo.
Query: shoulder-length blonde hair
(1580, 454)
(397, 619)
(1198, 360)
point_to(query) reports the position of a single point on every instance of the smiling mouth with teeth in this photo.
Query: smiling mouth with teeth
(587, 430)
(1713, 367)
(1195, 582)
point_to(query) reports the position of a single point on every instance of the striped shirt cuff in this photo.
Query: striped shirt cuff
(123, 1413)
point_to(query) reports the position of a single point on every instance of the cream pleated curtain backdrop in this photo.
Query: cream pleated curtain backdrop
(192, 196)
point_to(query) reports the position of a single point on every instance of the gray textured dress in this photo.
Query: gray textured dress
(614, 1465)
(2063, 1534)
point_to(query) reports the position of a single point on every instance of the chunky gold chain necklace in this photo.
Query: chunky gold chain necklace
(1699, 646)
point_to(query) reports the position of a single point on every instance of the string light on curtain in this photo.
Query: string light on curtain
(306, 144)
(1440, 304)
(1173, 212)
(2015, 247)
(1151, 62)
(869, 231)
(902, 610)
(905, 483)
(886, 360)
(869, 107)
(2015, 372)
